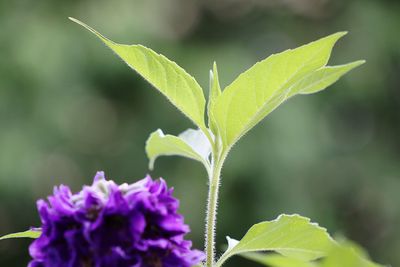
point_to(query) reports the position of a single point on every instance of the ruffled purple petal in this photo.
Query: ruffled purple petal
(106, 225)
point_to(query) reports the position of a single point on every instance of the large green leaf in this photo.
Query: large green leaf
(191, 143)
(25, 234)
(289, 235)
(165, 75)
(263, 87)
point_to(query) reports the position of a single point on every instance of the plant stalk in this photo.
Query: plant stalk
(211, 219)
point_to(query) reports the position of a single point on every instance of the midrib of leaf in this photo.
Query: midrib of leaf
(273, 229)
(324, 77)
(310, 251)
(192, 154)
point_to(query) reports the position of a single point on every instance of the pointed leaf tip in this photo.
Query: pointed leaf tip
(26, 234)
(322, 78)
(360, 62)
(342, 33)
(78, 21)
(102, 37)
(339, 35)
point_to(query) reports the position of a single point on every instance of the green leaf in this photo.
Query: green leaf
(165, 75)
(25, 234)
(263, 87)
(191, 143)
(215, 92)
(348, 255)
(322, 78)
(344, 254)
(289, 235)
(276, 260)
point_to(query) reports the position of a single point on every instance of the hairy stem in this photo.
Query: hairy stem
(212, 211)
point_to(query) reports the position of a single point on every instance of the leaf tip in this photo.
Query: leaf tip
(5, 237)
(336, 36)
(84, 25)
(356, 64)
(72, 18)
(157, 133)
(360, 62)
(77, 21)
(340, 34)
(215, 69)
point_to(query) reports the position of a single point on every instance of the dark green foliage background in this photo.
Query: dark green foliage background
(69, 107)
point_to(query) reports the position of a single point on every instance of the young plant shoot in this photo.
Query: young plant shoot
(138, 225)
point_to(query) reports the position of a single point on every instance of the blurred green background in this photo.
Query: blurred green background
(69, 107)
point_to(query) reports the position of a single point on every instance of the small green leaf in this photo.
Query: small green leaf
(165, 75)
(215, 92)
(322, 78)
(263, 87)
(289, 235)
(191, 144)
(25, 234)
(231, 243)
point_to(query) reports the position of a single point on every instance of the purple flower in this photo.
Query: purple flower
(106, 225)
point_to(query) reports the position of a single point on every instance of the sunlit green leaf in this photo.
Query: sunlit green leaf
(165, 75)
(191, 144)
(259, 90)
(276, 260)
(25, 234)
(322, 78)
(289, 235)
(344, 254)
(347, 255)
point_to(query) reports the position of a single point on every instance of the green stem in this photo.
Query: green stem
(214, 177)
